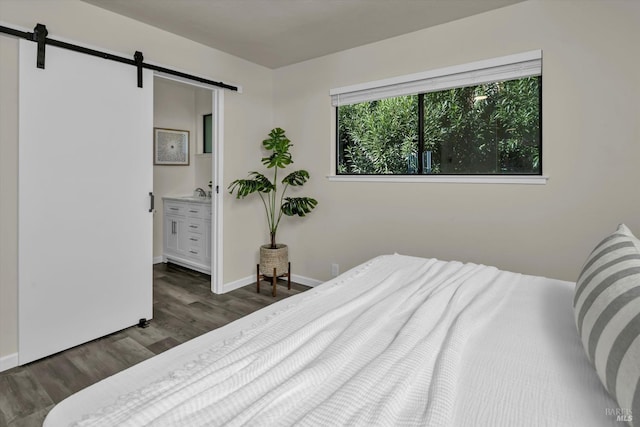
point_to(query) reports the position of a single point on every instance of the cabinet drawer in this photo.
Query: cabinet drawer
(195, 241)
(195, 226)
(174, 208)
(194, 211)
(195, 253)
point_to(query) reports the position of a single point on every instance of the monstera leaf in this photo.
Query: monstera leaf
(296, 178)
(279, 144)
(300, 206)
(244, 187)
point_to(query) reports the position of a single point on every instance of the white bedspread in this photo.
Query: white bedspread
(396, 341)
(380, 351)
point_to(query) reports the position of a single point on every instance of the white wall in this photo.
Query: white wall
(591, 146)
(202, 162)
(89, 25)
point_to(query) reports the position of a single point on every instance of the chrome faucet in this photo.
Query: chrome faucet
(201, 192)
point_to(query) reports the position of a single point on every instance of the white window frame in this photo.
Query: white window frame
(508, 67)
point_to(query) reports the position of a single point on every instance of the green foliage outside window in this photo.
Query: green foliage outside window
(378, 137)
(491, 128)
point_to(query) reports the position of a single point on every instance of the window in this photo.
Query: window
(477, 119)
(206, 124)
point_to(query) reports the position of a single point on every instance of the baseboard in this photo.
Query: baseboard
(307, 281)
(249, 280)
(228, 287)
(158, 260)
(8, 362)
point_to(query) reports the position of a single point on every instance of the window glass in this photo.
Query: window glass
(379, 137)
(487, 129)
(207, 120)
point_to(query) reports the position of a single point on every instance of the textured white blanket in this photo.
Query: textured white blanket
(379, 345)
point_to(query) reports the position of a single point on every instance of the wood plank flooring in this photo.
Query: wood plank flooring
(183, 307)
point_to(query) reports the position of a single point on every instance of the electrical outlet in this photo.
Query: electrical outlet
(335, 270)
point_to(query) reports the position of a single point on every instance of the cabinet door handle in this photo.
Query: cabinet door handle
(193, 211)
(194, 252)
(193, 240)
(193, 226)
(173, 227)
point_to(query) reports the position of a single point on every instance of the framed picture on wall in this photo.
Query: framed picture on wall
(171, 147)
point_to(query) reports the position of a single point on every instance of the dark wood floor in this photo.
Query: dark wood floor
(183, 308)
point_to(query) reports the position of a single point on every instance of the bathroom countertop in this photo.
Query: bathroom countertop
(193, 199)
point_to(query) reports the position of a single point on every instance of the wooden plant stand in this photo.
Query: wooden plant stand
(274, 279)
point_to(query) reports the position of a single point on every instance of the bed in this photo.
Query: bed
(398, 340)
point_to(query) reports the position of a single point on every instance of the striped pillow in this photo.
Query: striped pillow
(607, 312)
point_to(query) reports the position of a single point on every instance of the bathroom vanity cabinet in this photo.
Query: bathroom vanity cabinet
(187, 232)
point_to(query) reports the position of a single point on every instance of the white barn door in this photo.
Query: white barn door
(85, 173)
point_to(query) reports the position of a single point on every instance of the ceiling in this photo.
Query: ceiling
(276, 33)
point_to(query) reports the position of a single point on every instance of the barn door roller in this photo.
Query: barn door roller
(138, 58)
(40, 36)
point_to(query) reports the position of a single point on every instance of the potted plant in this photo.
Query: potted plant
(275, 255)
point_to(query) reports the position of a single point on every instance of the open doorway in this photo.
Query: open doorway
(187, 221)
